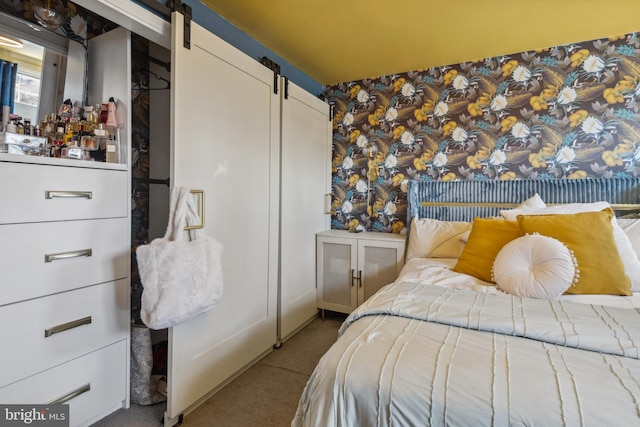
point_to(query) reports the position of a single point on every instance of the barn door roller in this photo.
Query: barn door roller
(275, 67)
(185, 9)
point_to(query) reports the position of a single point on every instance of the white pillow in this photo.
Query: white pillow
(631, 227)
(533, 202)
(568, 208)
(625, 249)
(535, 266)
(431, 238)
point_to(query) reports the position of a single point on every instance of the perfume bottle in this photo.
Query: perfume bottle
(103, 113)
(11, 127)
(111, 113)
(113, 148)
(66, 109)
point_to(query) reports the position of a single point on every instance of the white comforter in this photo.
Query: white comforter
(421, 355)
(437, 271)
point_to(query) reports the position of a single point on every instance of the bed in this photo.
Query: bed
(440, 346)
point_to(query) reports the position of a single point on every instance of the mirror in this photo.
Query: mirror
(51, 68)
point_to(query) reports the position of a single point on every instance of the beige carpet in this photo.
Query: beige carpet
(265, 395)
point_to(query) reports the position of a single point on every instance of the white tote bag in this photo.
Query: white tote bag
(181, 273)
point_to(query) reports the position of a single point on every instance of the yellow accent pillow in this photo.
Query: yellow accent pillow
(590, 236)
(487, 237)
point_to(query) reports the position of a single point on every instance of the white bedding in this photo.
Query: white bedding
(431, 350)
(435, 271)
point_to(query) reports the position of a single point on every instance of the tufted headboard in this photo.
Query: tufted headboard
(465, 200)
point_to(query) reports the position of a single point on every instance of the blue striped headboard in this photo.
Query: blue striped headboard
(612, 190)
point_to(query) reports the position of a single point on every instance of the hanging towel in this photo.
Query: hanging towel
(181, 273)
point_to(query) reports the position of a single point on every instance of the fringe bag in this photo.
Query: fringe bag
(181, 273)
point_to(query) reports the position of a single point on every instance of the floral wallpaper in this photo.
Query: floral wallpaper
(564, 112)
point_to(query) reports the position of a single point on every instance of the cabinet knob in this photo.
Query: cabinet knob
(353, 276)
(360, 278)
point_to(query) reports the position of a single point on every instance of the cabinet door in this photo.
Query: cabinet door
(379, 263)
(305, 179)
(225, 141)
(336, 265)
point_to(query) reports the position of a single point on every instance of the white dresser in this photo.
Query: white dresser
(64, 287)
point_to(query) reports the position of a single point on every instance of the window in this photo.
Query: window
(27, 89)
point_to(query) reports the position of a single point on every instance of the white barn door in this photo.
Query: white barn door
(225, 141)
(306, 174)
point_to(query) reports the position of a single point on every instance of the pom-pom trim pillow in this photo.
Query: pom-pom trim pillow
(625, 248)
(590, 236)
(535, 266)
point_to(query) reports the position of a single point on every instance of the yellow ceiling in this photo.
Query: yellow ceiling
(334, 41)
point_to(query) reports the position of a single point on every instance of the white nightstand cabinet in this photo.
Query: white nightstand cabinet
(351, 267)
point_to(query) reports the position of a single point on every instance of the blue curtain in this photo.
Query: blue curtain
(8, 84)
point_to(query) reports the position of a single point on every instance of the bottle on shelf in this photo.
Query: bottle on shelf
(111, 114)
(113, 136)
(113, 149)
(66, 109)
(86, 133)
(11, 127)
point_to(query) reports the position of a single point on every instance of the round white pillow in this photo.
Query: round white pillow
(535, 266)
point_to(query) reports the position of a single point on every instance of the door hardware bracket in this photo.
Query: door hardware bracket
(275, 67)
(186, 10)
(286, 87)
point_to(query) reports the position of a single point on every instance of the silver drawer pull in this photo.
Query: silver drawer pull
(68, 194)
(66, 326)
(75, 393)
(66, 255)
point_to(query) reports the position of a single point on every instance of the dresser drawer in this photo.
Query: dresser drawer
(32, 193)
(44, 258)
(47, 331)
(102, 372)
